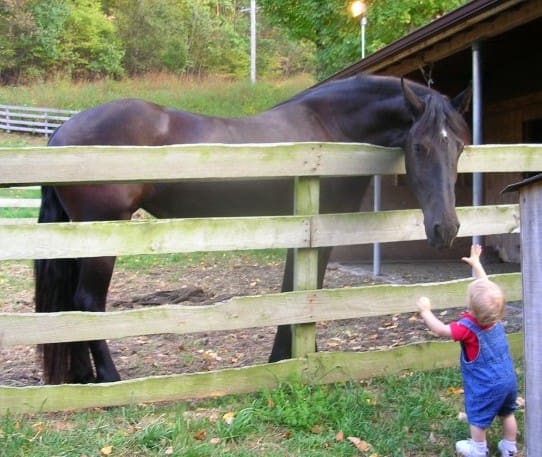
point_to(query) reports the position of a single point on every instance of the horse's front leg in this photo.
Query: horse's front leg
(282, 347)
(91, 294)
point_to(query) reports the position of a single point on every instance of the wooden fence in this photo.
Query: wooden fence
(304, 231)
(34, 120)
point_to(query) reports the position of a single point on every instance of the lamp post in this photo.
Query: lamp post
(358, 8)
(252, 10)
(253, 41)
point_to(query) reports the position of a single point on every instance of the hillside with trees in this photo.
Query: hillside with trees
(92, 39)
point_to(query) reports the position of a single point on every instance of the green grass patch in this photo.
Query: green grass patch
(411, 414)
(212, 96)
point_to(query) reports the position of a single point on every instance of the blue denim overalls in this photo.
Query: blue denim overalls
(489, 381)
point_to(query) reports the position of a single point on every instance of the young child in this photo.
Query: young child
(489, 379)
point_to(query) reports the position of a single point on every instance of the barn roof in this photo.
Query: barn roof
(518, 185)
(445, 43)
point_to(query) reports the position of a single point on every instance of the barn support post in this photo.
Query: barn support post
(530, 202)
(307, 202)
(477, 126)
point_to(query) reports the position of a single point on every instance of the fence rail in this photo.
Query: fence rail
(34, 120)
(304, 231)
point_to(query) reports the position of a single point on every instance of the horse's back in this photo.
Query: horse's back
(121, 122)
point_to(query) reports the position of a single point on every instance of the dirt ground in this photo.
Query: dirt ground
(209, 282)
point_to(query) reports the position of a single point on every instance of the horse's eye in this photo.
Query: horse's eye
(419, 149)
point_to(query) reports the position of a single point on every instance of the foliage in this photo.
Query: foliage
(45, 37)
(336, 35)
(408, 414)
(96, 38)
(87, 39)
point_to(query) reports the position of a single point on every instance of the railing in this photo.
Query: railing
(33, 120)
(305, 231)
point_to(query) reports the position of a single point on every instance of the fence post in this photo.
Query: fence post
(306, 202)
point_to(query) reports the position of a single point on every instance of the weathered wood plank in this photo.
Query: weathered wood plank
(84, 239)
(78, 164)
(318, 368)
(30, 241)
(240, 312)
(406, 225)
(500, 158)
(71, 164)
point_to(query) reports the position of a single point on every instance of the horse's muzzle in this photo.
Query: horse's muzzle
(442, 235)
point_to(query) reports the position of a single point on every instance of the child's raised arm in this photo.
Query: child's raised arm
(474, 261)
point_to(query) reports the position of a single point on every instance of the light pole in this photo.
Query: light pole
(358, 8)
(253, 41)
(252, 10)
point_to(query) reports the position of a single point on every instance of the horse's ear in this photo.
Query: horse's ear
(415, 104)
(462, 101)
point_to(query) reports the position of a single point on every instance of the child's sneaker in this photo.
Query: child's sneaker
(506, 452)
(467, 448)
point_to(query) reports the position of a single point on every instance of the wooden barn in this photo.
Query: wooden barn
(496, 45)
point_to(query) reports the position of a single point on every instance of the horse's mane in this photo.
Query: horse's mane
(384, 86)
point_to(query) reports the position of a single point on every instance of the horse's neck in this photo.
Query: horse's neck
(384, 122)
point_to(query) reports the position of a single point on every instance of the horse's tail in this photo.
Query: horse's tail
(55, 283)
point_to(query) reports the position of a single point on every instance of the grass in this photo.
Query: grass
(211, 96)
(412, 414)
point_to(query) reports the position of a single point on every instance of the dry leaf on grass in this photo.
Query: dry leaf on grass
(107, 450)
(361, 445)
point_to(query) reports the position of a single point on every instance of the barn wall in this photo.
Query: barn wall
(504, 123)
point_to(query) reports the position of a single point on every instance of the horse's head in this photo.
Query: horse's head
(432, 150)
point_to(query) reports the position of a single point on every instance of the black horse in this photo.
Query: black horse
(384, 111)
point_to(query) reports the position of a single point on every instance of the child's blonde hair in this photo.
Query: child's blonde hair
(485, 300)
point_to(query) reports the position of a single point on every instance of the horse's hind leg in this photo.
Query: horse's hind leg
(282, 347)
(91, 294)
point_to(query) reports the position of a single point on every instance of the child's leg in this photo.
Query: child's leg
(507, 446)
(509, 427)
(478, 434)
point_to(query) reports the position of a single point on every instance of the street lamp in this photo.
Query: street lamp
(358, 8)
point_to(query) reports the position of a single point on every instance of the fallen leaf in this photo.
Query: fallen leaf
(520, 402)
(38, 427)
(107, 450)
(200, 435)
(462, 416)
(361, 445)
(214, 441)
(270, 403)
(339, 436)
(316, 429)
(454, 390)
(228, 418)
(168, 451)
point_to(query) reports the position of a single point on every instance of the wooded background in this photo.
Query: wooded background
(88, 39)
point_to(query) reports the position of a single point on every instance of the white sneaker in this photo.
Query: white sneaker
(506, 452)
(467, 448)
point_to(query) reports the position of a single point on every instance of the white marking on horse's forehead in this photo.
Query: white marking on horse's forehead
(443, 133)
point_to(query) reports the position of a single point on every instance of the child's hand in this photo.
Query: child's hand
(424, 304)
(475, 253)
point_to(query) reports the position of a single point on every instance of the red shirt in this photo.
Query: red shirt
(468, 339)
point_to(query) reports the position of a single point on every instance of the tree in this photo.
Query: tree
(335, 34)
(39, 38)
